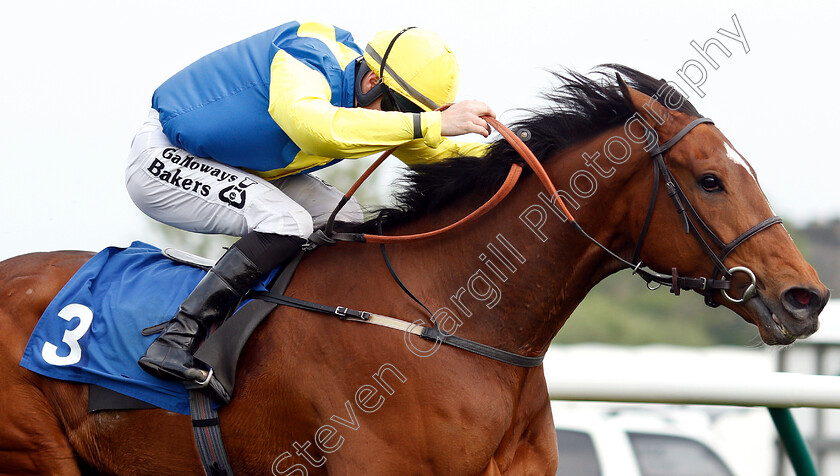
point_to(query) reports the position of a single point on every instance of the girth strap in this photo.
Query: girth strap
(208, 436)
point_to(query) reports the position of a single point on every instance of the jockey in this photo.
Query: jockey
(230, 141)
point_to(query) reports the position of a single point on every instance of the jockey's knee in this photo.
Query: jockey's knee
(279, 215)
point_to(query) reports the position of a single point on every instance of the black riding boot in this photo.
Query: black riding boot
(170, 355)
(245, 263)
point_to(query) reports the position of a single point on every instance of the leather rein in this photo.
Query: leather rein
(720, 280)
(692, 222)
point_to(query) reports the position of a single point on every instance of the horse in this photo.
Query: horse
(316, 395)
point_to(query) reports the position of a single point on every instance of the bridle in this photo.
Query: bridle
(720, 280)
(694, 224)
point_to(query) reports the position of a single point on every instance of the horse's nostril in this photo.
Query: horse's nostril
(801, 296)
(801, 300)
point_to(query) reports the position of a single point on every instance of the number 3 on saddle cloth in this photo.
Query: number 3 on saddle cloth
(91, 331)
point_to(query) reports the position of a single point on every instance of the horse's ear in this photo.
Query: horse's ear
(649, 108)
(625, 90)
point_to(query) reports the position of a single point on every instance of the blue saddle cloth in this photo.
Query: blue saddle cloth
(90, 332)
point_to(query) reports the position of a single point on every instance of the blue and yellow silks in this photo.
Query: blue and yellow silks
(281, 102)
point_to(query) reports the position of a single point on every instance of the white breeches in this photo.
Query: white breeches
(204, 196)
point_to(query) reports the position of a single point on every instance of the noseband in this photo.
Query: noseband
(694, 224)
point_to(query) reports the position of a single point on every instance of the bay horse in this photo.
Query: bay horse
(316, 395)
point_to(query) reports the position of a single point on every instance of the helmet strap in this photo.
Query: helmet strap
(362, 68)
(388, 51)
(366, 98)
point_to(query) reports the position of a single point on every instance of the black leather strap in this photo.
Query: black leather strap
(748, 234)
(340, 311)
(155, 329)
(433, 334)
(703, 284)
(429, 333)
(658, 150)
(394, 272)
(683, 282)
(320, 238)
(649, 216)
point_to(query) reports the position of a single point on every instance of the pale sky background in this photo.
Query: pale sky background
(77, 79)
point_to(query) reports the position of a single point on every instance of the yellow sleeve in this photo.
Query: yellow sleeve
(299, 101)
(416, 152)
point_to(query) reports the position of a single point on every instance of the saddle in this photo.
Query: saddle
(220, 350)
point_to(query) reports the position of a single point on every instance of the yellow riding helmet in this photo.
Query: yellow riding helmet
(417, 64)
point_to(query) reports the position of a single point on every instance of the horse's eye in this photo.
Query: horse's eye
(711, 183)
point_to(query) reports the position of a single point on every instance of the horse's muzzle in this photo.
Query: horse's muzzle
(794, 315)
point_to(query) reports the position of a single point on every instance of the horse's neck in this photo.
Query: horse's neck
(511, 281)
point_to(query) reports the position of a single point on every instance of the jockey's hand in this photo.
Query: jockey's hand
(463, 118)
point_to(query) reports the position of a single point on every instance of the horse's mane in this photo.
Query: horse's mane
(578, 108)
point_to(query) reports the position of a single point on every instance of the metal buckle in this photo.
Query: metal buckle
(341, 311)
(751, 289)
(705, 282)
(206, 381)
